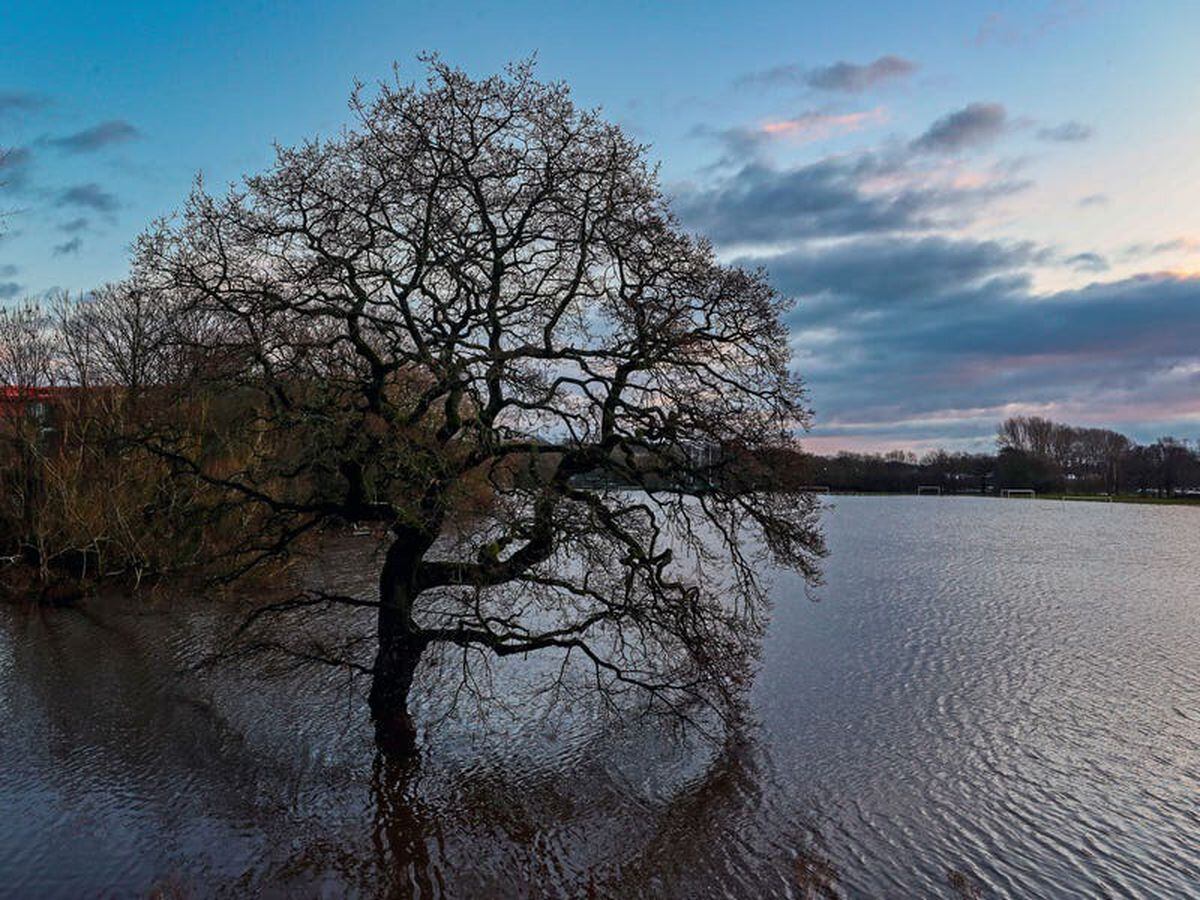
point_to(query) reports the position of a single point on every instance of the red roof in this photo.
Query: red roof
(10, 394)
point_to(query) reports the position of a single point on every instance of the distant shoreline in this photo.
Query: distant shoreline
(1067, 498)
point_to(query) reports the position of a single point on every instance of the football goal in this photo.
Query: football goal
(1028, 493)
(931, 490)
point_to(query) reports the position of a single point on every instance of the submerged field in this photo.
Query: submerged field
(990, 692)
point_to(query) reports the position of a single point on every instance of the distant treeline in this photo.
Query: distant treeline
(1032, 453)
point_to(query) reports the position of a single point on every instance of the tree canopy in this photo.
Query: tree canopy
(472, 319)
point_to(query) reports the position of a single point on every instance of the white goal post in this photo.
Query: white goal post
(1018, 492)
(931, 490)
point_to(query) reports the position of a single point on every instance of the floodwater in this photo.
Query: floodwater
(999, 696)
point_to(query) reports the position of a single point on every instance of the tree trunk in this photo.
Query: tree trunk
(395, 665)
(397, 657)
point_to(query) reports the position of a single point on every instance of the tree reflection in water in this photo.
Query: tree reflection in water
(124, 775)
(571, 834)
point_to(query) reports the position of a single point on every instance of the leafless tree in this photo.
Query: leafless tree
(115, 337)
(1029, 434)
(5, 159)
(27, 348)
(1077, 453)
(472, 319)
(27, 355)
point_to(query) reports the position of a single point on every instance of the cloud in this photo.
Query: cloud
(777, 76)
(907, 329)
(741, 143)
(1087, 262)
(843, 77)
(69, 247)
(1158, 248)
(811, 126)
(929, 337)
(973, 125)
(89, 196)
(74, 226)
(1067, 132)
(20, 101)
(1124, 332)
(97, 137)
(834, 197)
(738, 143)
(997, 28)
(9, 289)
(860, 278)
(14, 166)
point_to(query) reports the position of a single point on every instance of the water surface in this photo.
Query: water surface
(1008, 690)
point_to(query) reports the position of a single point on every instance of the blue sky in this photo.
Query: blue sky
(983, 209)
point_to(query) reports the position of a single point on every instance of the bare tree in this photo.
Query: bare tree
(27, 355)
(473, 319)
(5, 161)
(1029, 434)
(27, 349)
(115, 337)
(80, 498)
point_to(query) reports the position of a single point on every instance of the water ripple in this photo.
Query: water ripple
(1005, 691)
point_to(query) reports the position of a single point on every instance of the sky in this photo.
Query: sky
(981, 209)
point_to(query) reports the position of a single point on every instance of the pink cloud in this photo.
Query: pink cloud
(813, 126)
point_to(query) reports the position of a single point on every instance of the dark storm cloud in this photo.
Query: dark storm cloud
(828, 198)
(1066, 133)
(844, 77)
(89, 196)
(973, 125)
(75, 225)
(68, 247)
(97, 137)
